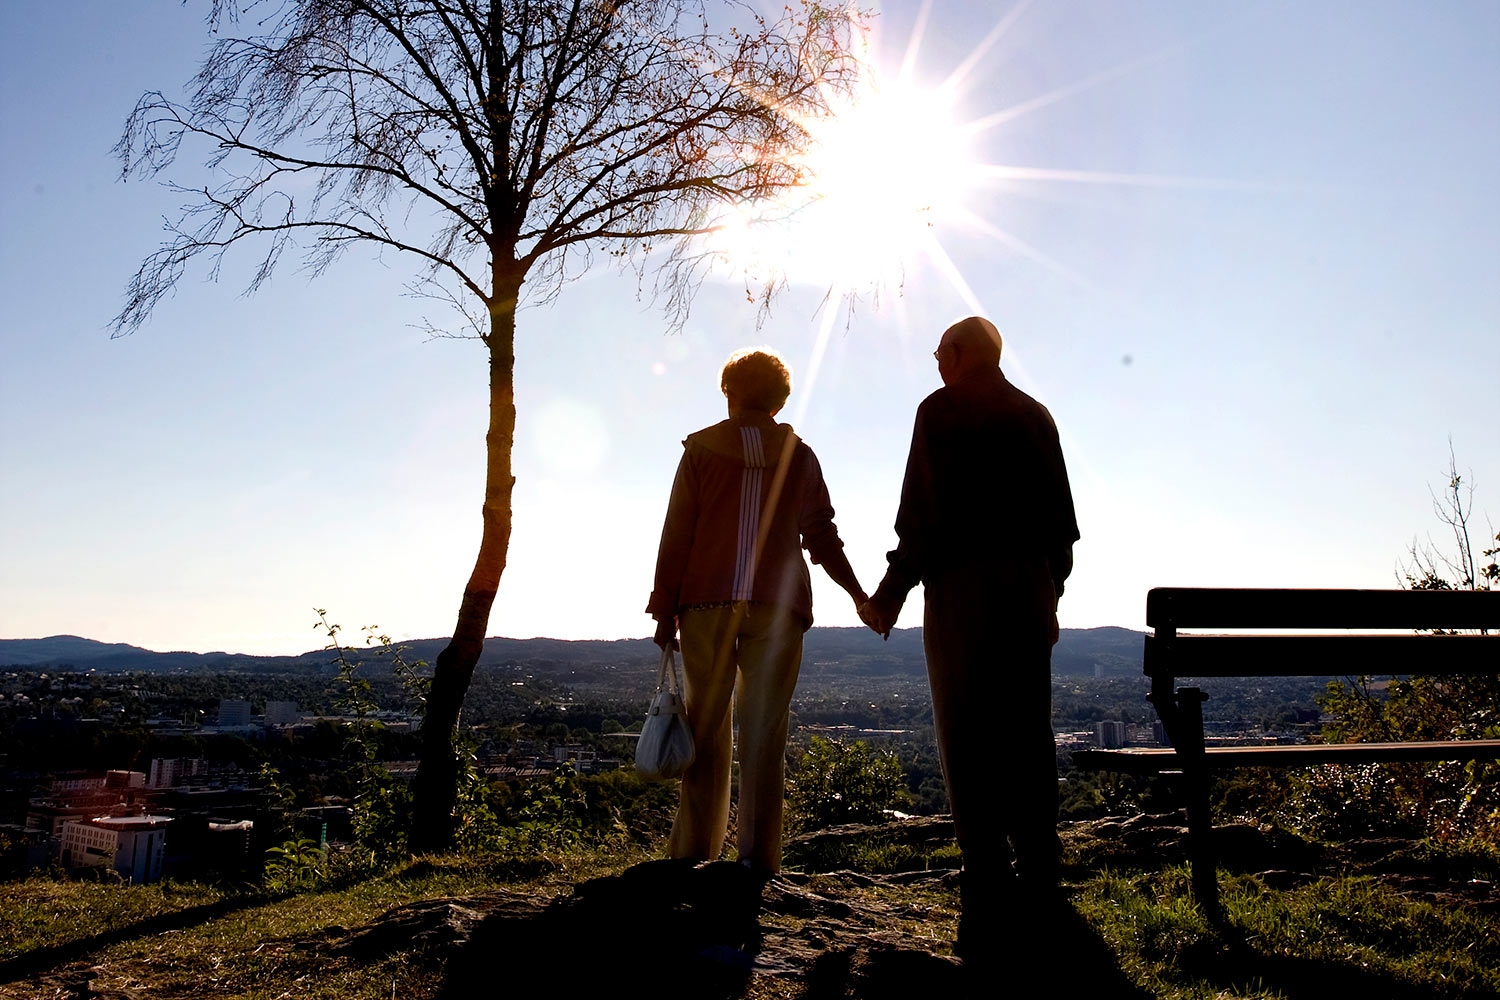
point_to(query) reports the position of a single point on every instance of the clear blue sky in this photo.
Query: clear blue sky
(1284, 215)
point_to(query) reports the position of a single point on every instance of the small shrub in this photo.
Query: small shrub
(845, 783)
(294, 866)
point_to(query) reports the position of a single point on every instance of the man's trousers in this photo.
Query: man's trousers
(987, 635)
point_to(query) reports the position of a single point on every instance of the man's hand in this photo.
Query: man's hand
(666, 632)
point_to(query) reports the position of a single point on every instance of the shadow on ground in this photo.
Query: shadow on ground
(678, 929)
(1237, 967)
(42, 959)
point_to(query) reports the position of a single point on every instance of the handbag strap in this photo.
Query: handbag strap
(667, 678)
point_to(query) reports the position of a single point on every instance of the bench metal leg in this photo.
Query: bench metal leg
(1197, 783)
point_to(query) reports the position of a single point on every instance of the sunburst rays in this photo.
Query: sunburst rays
(890, 173)
(893, 182)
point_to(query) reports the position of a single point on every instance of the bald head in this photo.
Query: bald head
(968, 346)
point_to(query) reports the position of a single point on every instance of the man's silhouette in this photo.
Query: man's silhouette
(986, 524)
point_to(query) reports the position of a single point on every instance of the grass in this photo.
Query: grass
(1354, 934)
(41, 913)
(1338, 932)
(174, 940)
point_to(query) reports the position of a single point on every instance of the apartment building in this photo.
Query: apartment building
(134, 846)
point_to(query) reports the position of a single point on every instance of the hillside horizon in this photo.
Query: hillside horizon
(1115, 649)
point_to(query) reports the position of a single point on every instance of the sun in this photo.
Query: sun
(891, 164)
(892, 167)
(886, 165)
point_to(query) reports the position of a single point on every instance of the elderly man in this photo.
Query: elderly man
(986, 523)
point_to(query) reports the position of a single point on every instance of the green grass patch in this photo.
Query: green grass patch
(1352, 934)
(172, 941)
(41, 913)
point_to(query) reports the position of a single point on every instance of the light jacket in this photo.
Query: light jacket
(722, 505)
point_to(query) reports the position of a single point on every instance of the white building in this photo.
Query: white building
(282, 713)
(132, 845)
(169, 772)
(85, 845)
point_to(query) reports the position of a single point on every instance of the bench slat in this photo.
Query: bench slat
(1316, 655)
(1202, 607)
(1154, 761)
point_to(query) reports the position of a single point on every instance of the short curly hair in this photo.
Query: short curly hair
(758, 377)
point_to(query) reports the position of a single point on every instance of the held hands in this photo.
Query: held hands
(862, 607)
(880, 614)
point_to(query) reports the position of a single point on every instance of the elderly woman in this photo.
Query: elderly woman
(748, 496)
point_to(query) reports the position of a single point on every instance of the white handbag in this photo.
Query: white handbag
(665, 748)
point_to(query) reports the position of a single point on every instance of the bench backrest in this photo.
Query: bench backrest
(1171, 654)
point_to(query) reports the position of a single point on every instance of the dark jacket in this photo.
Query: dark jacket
(985, 484)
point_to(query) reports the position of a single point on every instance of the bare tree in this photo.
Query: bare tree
(1430, 567)
(536, 132)
(1447, 801)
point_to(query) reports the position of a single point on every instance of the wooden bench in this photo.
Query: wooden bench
(1289, 652)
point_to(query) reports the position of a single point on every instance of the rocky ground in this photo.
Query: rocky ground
(702, 930)
(675, 929)
(666, 928)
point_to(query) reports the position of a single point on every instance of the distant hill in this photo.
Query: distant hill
(1108, 650)
(853, 651)
(90, 654)
(72, 650)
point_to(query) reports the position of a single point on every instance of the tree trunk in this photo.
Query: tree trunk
(436, 787)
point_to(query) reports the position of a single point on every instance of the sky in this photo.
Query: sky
(1247, 255)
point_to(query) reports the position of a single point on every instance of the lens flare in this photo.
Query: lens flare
(887, 164)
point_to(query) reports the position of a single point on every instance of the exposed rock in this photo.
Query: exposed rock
(1160, 834)
(431, 927)
(914, 830)
(1106, 829)
(1163, 838)
(679, 929)
(1379, 851)
(699, 930)
(705, 930)
(1280, 878)
(1175, 820)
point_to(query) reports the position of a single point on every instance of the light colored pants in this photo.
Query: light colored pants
(750, 654)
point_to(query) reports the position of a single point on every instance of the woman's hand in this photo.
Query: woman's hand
(666, 632)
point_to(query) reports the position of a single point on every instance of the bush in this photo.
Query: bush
(567, 809)
(1452, 802)
(845, 783)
